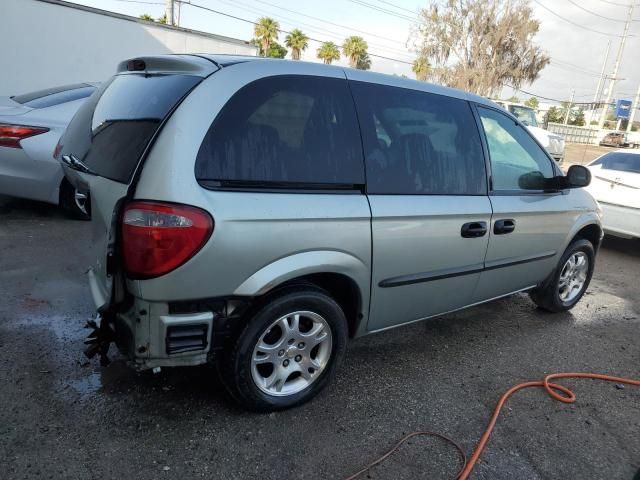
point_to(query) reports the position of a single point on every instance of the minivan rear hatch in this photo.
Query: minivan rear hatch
(108, 138)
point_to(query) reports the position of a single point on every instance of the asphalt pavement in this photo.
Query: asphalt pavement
(62, 416)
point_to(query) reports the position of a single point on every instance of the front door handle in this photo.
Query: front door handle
(473, 229)
(504, 226)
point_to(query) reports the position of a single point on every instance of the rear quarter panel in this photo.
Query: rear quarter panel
(259, 239)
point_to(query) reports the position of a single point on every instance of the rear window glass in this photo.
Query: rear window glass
(285, 130)
(621, 161)
(55, 96)
(418, 143)
(112, 129)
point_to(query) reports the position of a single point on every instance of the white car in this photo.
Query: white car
(30, 126)
(553, 143)
(615, 185)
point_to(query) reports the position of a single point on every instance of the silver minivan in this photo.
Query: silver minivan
(258, 214)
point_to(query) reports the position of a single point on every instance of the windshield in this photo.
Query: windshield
(525, 114)
(620, 161)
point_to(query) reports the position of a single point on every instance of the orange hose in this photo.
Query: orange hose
(551, 388)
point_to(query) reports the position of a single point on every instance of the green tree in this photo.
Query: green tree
(298, 42)
(555, 115)
(328, 52)
(266, 32)
(355, 48)
(480, 45)
(532, 102)
(276, 51)
(421, 68)
(364, 62)
(162, 19)
(513, 99)
(147, 17)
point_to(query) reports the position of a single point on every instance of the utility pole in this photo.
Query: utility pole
(632, 114)
(169, 7)
(614, 76)
(596, 97)
(566, 115)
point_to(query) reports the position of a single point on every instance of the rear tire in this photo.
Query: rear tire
(75, 204)
(568, 282)
(288, 351)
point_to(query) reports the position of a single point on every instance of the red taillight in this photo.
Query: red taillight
(10, 135)
(159, 237)
(57, 150)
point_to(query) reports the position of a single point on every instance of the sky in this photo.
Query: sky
(576, 43)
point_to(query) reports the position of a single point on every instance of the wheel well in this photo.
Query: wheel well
(592, 233)
(64, 184)
(340, 287)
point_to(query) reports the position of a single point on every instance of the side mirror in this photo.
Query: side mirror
(578, 176)
(533, 181)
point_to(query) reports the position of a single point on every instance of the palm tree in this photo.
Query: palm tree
(266, 31)
(147, 17)
(364, 62)
(354, 48)
(421, 67)
(328, 52)
(297, 41)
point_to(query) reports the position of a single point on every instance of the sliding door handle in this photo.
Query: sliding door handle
(504, 226)
(473, 229)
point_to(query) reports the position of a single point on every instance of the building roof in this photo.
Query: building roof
(129, 18)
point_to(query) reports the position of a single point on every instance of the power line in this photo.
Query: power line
(384, 10)
(328, 22)
(397, 6)
(284, 31)
(141, 1)
(617, 4)
(543, 97)
(294, 23)
(572, 69)
(574, 23)
(597, 14)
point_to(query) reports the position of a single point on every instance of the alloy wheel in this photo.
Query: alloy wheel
(80, 200)
(573, 276)
(291, 353)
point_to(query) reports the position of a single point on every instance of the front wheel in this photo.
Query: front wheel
(288, 352)
(567, 284)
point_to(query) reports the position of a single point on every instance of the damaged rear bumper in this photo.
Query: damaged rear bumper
(161, 334)
(147, 333)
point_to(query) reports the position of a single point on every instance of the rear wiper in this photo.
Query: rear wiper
(72, 162)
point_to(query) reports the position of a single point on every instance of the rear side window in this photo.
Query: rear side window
(111, 130)
(418, 143)
(55, 96)
(620, 161)
(287, 130)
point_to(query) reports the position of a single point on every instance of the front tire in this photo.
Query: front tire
(288, 352)
(567, 284)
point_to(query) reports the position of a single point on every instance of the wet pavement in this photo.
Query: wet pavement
(62, 416)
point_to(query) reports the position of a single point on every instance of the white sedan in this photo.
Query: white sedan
(615, 185)
(30, 126)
